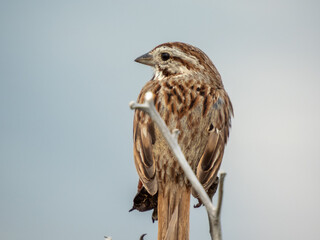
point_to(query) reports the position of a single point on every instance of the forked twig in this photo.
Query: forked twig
(172, 139)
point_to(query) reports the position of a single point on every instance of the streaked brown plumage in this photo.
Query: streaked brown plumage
(189, 95)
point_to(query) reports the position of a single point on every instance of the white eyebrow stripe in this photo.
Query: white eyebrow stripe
(189, 58)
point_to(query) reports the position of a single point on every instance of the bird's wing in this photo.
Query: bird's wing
(211, 158)
(143, 139)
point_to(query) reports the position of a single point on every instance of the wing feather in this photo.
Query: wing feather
(210, 161)
(142, 148)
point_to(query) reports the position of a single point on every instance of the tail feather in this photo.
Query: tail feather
(173, 212)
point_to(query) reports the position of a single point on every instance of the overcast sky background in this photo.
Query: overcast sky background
(67, 75)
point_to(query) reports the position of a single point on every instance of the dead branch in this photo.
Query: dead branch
(171, 138)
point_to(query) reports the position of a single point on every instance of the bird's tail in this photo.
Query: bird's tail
(173, 212)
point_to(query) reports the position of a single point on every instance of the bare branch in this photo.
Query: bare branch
(220, 193)
(172, 139)
(142, 236)
(214, 220)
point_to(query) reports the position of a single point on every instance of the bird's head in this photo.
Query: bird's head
(175, 58)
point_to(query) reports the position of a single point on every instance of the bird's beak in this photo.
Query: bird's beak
(146, 59)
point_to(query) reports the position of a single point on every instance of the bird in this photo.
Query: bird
(189, 95)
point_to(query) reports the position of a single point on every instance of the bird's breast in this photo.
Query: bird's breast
(184, 105)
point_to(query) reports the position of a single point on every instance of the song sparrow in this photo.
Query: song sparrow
(189, 96)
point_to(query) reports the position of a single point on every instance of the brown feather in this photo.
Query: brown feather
(143, 156)
(189, 95)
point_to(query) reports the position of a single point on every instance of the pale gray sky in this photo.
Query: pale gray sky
(67, 75)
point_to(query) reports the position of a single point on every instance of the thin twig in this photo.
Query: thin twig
(214, 220)
(142, 236)
(220, 193)
(172, 139)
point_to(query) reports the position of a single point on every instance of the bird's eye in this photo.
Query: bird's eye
(165, 56)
